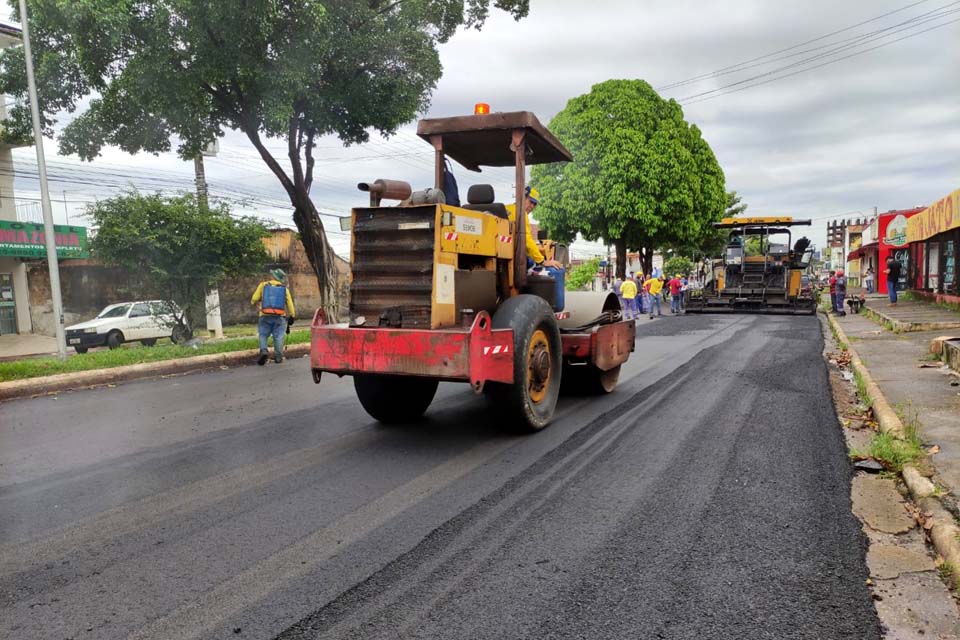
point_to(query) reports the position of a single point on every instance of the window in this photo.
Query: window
(118, 311)
(140, 310)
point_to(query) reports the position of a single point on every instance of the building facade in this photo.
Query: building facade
(933, 235)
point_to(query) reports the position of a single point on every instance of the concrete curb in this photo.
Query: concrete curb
(944, 533)
(30, 387)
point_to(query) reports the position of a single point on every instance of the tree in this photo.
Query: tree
(641, 177)
(734, 206)
(178, 248)
(677, 264)
(582, 275)
(186, 70)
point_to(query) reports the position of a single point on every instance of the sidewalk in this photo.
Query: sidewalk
(15, 346)
(914, 315)
(894, 360)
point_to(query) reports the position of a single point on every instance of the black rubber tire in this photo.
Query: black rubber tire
(587, 379)
(80, 349)
(395, 399)
(526, 314)
(114, 339)
(149, 342)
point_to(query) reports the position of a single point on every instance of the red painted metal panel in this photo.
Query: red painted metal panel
(606, 346)
(477, 355)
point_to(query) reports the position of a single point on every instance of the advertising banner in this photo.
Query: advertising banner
(942, 215)
(27, 240)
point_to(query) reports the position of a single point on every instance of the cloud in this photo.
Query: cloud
(879, 129)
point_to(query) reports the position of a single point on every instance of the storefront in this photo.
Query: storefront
(934, 237)
(21, 242)
(892, 241)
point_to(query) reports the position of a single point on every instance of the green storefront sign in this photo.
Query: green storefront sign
(26, 240)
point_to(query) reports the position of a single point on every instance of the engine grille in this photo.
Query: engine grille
(393, 264)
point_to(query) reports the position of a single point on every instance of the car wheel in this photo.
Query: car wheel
(149, 342)
(115, 339)
(81, 349)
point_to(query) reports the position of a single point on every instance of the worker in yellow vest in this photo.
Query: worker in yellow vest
(530, 201)
(629, 291)
(277, 313)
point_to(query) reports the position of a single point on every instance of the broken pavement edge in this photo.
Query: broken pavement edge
(944, 533)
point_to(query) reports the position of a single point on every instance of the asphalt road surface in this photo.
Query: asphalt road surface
(708, 497)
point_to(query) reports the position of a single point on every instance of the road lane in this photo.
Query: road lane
(251, 498)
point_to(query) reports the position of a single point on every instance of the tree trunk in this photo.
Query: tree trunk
(319, 253)
(646, 259)
(620, 245)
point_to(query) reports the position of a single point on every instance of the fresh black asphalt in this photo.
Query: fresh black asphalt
(708, 497)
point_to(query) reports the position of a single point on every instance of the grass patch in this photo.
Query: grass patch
(240, 331)
(105, 359)
(861, 383)
(931, 357)
(949, 573)
(894, 452)
(836, 337)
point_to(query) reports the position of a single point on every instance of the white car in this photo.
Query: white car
(144, 321)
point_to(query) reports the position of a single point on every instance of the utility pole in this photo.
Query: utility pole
(50, 238)
(212, 303)
(66, 209)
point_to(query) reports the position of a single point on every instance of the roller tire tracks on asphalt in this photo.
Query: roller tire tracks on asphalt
(944, 534)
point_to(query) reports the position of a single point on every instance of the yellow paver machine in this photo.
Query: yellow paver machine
(760, 271)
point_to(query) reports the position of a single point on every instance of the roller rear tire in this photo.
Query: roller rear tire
(395, 399)
(528, 404)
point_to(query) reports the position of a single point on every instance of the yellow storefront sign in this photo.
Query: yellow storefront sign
(942, 215)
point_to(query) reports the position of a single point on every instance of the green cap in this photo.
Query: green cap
(278, 274)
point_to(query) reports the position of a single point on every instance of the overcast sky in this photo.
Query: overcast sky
(879, 129)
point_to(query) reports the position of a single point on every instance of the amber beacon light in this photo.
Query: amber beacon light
(481, 109)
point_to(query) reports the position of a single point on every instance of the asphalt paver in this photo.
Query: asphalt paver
(709, 496)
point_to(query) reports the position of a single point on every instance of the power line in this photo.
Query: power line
(833, 46)
(790, 48)
(706, 95)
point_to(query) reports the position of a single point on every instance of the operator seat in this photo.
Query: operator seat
(480, 198)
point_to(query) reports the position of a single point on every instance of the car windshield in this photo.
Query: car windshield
(118, 311)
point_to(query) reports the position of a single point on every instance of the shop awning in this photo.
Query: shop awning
(859, 252)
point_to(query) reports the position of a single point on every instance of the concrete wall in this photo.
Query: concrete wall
(87, 287)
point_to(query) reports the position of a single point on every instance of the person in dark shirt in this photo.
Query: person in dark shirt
(893, 279)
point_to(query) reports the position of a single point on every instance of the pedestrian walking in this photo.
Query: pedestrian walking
(641, 304)
(629, 292)
(893, 271)
(840, 286)
(868, 280)
(654, 286)
(676, 288)
(277, 313)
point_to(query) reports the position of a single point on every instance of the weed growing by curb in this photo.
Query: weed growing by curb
(894, 452)
(862, 388)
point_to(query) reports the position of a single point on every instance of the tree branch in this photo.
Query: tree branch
(254, 136)
(293, 152)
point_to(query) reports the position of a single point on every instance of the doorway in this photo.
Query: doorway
(8, 305)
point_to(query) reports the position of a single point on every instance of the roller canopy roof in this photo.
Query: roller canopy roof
(484, 140)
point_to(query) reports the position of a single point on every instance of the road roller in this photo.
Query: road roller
(443, 291)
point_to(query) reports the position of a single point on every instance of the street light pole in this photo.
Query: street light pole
(48, 232)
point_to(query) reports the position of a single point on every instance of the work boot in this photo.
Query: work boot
(278, 357)
(262, 360)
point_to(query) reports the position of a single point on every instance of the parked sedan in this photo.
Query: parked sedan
(145, 321)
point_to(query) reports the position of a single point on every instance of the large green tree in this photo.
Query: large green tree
(642, 177)
(177, 248)
(146, 74)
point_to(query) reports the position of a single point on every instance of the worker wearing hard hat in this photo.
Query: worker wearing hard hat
(530, 201)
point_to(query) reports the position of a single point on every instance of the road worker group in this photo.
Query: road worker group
(639, 295)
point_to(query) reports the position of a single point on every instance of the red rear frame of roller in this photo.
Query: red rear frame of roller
(476, 355)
